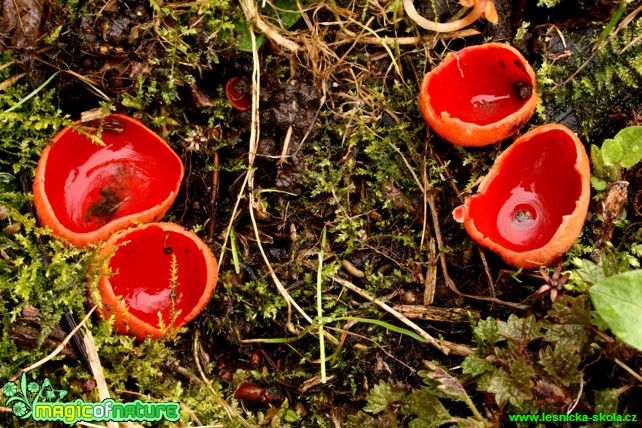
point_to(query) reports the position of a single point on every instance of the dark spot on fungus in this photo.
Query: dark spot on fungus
(522, 90)
(523, 216)
(519, 65)
(501, 62)
(109, 202)
(167, 250)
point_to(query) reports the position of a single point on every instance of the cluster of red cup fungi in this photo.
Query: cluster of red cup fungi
(531, 206)
(156, 276)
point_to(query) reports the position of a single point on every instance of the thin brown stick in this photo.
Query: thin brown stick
(214, 198)
(346, 34)
(444, 346)
(625, 22)
(58, 349)
(7, 64)
(444, 264)
(253, 16)
(433, 313)
(430, 283)
(482, 256)
(253, 144)
(231, 413)
(96, 368)
(10, 81)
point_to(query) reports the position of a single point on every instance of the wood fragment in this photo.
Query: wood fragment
(10, 81)
(433, 313)
(430, 283)
(26, 337)
(444, 346)
(96, 367)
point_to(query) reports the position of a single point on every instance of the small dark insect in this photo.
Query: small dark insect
(253, 393)
(167, 250)
(522, 90)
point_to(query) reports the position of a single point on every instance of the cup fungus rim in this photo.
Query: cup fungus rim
(113, 305)
(463, 133)
(48, 217)
(238, 101)
(571, 224)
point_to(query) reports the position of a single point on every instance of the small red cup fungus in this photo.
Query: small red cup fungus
(532, 204)
(480, 95)
(159, 270)
(85, 192)
(239, 101)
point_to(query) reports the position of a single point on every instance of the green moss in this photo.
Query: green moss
(609, 77)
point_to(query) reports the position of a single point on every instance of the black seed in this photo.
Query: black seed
(522, 90)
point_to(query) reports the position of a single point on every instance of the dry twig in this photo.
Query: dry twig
(443, 345)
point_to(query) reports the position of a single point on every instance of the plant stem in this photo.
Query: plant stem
(320, 306)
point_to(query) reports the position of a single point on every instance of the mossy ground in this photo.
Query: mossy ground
(358, 160)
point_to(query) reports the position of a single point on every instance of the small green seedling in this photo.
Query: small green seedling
(623, 151)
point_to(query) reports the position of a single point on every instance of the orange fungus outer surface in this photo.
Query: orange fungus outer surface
(158, 268)
(479, 95)
(531, 206)
(85, 191)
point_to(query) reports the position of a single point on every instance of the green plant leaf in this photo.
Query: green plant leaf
(381, 396)
(630, 139)
(244, 40)
(571, 310)
(561, 362)
(573, 335)
(474, 365)
(612, 152)
(287, 12)
(598, 184)
(515, 387)
(487, 331)
(442, 384)
(606, 401)
(597, 161)
(625, 150)
(527, 329)
(429, 410)
(608, 28)
(618, 301)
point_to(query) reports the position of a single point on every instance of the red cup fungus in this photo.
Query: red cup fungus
(85, 191)
(531, 206)
(159, 271)
(239, 101)
(479, 95)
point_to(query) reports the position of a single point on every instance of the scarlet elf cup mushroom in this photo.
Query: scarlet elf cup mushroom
(531, 206)
(157, 278)
(86, 191)
(239, 101)
(479, 95)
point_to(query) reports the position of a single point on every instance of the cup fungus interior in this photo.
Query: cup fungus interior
(158, 271)
(537, 184)
(89, 185)
(481, 86)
